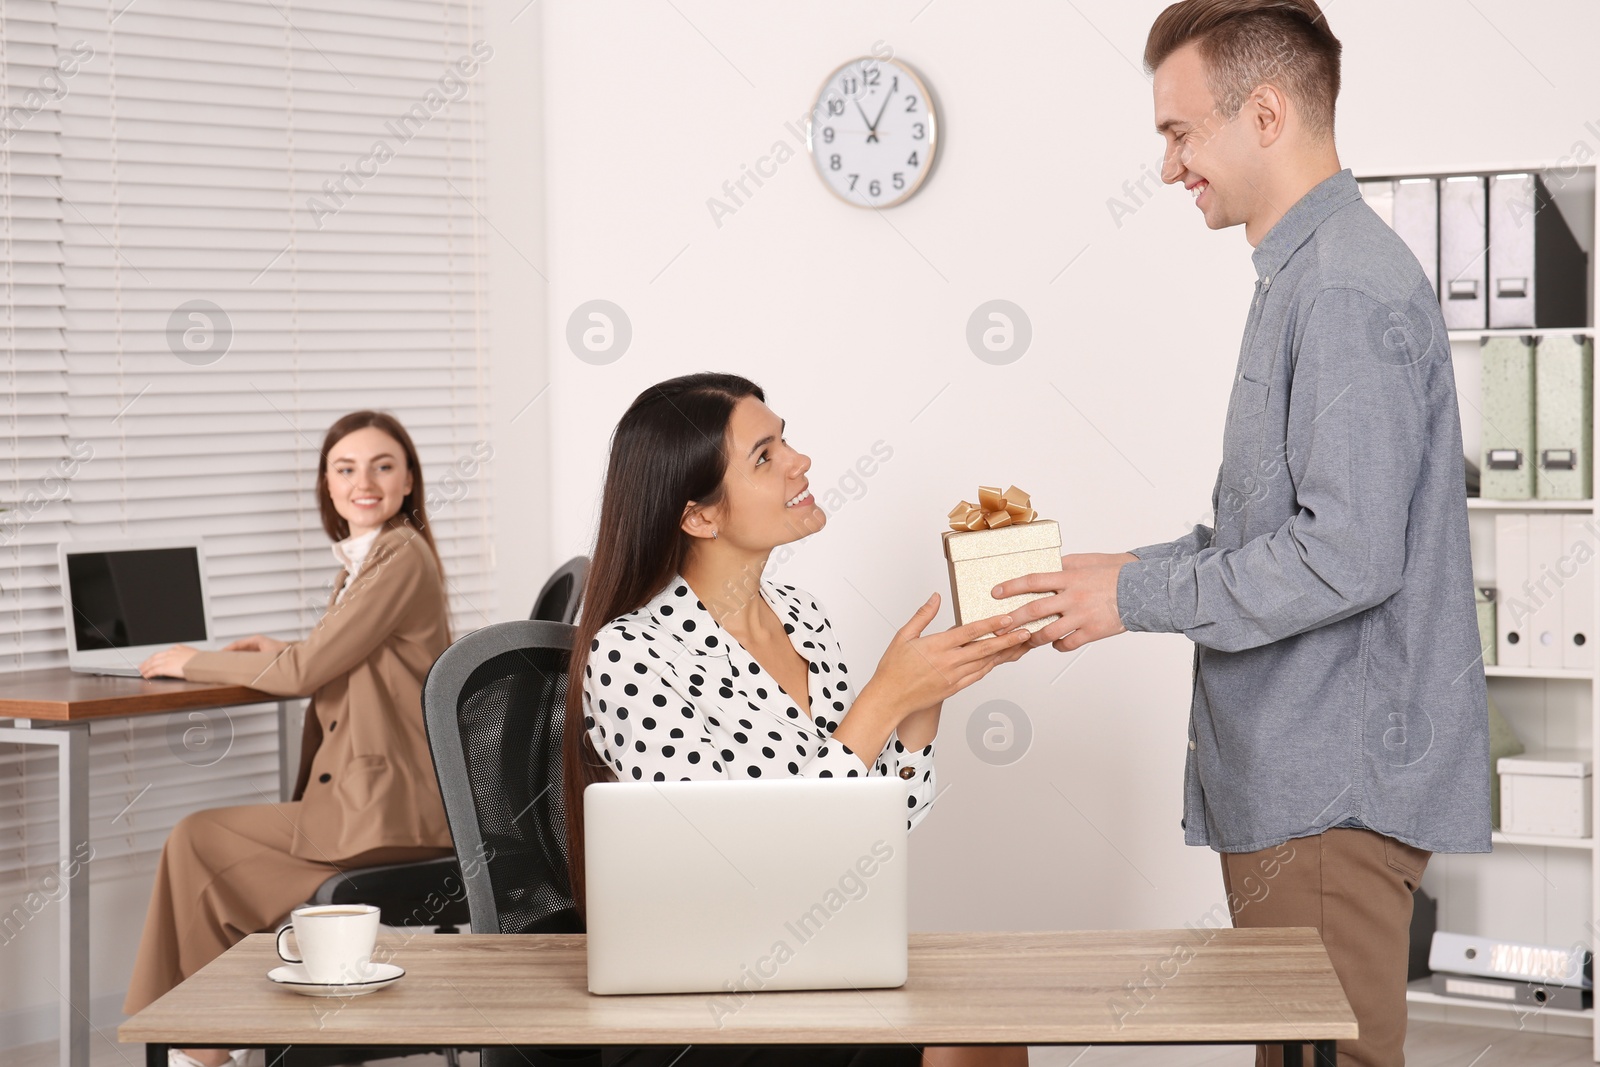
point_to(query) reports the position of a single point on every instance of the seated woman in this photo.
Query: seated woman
(366, 794)
(701, 487)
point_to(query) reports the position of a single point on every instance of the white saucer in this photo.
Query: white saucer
(293, 976)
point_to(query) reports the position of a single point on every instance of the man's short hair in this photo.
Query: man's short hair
(1248, 43)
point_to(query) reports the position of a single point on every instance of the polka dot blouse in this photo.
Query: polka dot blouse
(669, 695)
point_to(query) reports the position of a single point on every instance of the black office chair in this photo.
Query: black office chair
(495, 709)
(424, 893)
(558, 600)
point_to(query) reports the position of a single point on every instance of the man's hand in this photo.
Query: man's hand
(1085, 596)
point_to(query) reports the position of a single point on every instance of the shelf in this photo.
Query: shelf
(1541, 841)
(1538, 672)
(1420, 992)
(1476, 503)
(1553, 331)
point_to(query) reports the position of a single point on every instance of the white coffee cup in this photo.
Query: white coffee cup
(335, 941)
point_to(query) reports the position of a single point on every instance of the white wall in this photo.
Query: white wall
(854, 322)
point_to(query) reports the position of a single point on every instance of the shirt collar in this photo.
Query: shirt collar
(352, 551)
(1301, 221)
(669, 610)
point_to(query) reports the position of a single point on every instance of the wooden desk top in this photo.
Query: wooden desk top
(63, 695)
(1064, 987)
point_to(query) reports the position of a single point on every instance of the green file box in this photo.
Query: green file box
(1564, 417)
(1508, 460)
(1486, 630)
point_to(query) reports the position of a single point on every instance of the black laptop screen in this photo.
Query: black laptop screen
(136, 597)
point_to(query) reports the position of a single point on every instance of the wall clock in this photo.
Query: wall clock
(873, 132)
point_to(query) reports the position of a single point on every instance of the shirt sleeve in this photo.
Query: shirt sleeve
(1356, 428)
(1187, 545)
(647, 726)
(915, 767)
(349, 632)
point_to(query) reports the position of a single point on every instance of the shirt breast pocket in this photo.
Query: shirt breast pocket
(1242, 440)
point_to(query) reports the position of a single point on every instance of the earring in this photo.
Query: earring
(713, 535)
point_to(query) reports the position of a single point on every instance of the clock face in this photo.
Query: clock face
(872, 132)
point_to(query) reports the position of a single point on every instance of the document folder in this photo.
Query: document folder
(1463, 252)
(1416, 220)
(1564, 417)
(1546, 560)
(1538, 276)
(1507, 460)
(1511, 609)
(1577, 608)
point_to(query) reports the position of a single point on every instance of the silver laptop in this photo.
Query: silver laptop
(734, 887)
(128, 599)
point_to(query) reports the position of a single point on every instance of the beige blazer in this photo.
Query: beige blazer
(366, 777)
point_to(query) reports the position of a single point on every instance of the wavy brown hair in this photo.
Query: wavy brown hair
(413, 509)
(669, 448)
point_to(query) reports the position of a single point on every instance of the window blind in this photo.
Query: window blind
(263, 221)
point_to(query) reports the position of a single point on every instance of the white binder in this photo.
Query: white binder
(1463, 252)
(1416, 220)
(1549, 592)
(1512, 609)
(1577, 612)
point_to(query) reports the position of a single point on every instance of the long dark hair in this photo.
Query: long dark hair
(413, 509)
(668, 449)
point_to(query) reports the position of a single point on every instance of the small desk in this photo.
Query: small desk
(55, 707)
(1057, 988)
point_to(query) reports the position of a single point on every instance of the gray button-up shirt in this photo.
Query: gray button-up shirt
(1338, 675)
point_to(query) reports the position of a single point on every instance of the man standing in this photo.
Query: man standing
(1338, 700)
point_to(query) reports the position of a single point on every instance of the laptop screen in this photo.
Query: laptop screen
(134, 597)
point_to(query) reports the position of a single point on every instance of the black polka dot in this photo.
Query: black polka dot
(605, 679)
(660, 700)
(631, 689)
(754, 771)
(688, 626)
(668, 750)
(694, 757)
(648, 723)
(613, 655)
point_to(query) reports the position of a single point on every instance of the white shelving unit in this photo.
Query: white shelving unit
(1531, 888)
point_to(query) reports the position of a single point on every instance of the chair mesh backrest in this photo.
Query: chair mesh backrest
(495, 704)
(558, 599)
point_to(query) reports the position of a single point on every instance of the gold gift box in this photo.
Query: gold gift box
(991, 547)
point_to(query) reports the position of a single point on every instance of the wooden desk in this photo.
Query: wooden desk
(1058, 988)
(55, 707)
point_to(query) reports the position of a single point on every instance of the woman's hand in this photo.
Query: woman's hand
(919, 671)
(258, 643)
(168, 663)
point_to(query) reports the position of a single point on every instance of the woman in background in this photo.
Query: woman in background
(695, 668)
(366, 793)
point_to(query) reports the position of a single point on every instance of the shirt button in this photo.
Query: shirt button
(1191, 746)
(324, 778)
(1266, 282)
(907, 772)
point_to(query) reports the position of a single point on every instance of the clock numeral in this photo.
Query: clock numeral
(869, 77)
(873, 187)
(894, 86)
(827, 135)
(917, 132)
(911, 102)
(833, 162)
(899, 180)
(852, 178)
(835, 106)
(912, 162)
(849, 85)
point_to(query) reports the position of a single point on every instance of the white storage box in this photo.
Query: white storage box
(1549, 793)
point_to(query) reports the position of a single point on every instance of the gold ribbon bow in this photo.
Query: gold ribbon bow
(993, 510)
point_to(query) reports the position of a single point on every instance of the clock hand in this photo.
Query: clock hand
(881, 110)
(872, 128)
(872, 132)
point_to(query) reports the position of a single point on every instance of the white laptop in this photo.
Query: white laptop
(734, 887)
(128, 599)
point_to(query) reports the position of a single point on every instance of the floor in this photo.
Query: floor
(1428, 1044)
